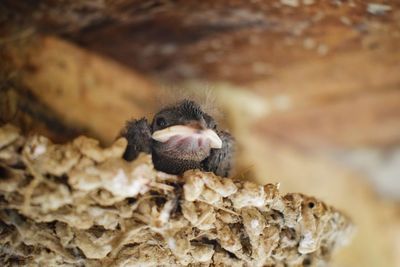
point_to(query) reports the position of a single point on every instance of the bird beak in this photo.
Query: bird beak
(186, 131)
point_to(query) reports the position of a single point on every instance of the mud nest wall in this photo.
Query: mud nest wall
(78, 204)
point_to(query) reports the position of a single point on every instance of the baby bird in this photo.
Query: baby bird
(181, 137)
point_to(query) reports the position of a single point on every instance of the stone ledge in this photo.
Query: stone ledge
(78, 204)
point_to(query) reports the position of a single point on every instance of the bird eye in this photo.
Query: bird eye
(161, 122)
(210, 122)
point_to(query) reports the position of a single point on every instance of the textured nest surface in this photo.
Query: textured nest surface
(78, 204)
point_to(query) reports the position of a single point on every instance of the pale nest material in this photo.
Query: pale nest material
(78, 204)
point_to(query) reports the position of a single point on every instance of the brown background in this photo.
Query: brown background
(310, 89)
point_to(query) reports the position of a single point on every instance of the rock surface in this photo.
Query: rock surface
(78, 204)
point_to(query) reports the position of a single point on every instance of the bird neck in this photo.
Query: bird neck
(173, 165)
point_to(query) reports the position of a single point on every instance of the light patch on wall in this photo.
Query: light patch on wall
(382, 167)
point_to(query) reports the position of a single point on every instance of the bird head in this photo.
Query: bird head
(184, 131)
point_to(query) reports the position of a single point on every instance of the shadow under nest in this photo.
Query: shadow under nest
(78, 204)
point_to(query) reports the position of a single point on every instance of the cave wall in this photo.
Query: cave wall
(309, 88)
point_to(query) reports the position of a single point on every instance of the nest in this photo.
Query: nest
(78, 204)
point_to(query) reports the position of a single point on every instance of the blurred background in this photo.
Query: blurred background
(309, 88)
